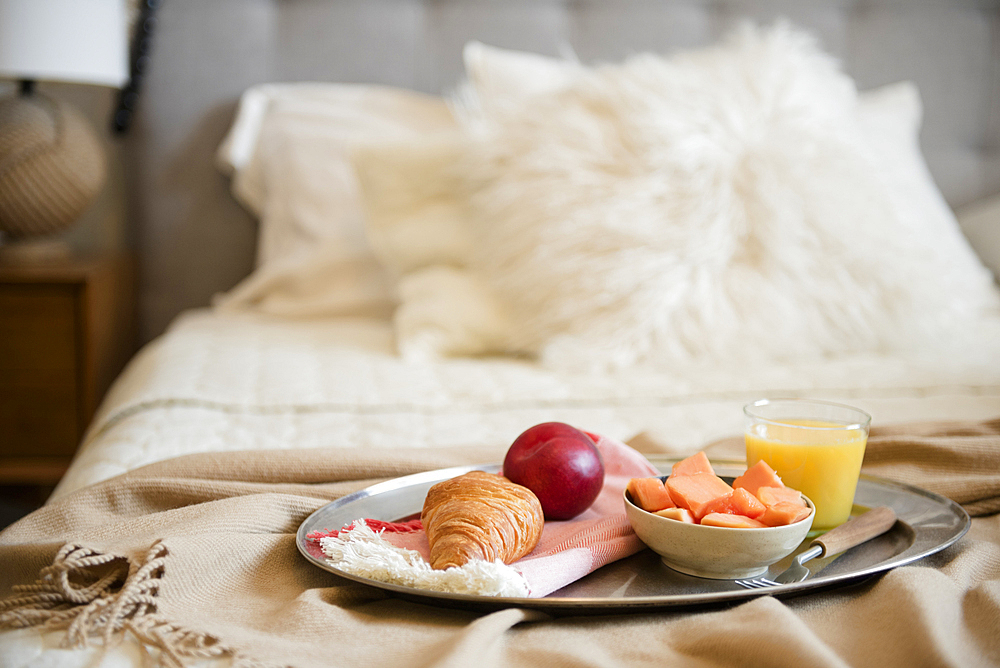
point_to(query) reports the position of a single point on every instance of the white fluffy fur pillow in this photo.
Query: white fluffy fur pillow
(722, 205)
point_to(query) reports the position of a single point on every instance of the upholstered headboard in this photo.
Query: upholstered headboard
(194, 240)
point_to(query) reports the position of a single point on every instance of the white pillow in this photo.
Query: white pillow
(501, 79)
(729, 204)
(289, 155)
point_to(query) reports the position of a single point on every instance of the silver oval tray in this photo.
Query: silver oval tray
(928, 523)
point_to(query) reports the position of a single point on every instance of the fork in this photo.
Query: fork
(864, 527)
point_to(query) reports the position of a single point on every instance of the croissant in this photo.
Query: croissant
(480, 516)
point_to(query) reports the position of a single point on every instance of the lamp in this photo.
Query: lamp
(52, 163)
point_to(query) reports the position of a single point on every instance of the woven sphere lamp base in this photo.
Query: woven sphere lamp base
(52, 166)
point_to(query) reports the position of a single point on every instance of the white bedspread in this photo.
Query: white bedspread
(217, 382)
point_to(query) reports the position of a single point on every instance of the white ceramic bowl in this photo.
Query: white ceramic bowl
(716, 552)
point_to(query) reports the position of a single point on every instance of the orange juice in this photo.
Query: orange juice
(821, 459)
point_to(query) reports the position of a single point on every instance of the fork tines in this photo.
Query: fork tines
(756, 583)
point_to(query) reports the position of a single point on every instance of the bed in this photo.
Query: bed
(374, 253)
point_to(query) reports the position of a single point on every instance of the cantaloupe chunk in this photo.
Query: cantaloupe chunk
(731, 521)
(722, 504)
(697, 463)
(747, 504)
(737, 502)
(649, 494)
(757, 476)
(696, 491)
(679, 514)
(783, 513)
(770, 496)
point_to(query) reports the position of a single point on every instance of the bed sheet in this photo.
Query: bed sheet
(228, 381)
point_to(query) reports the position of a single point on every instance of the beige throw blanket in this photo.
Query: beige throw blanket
(196, 557)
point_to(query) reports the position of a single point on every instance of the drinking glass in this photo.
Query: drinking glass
(816, 447)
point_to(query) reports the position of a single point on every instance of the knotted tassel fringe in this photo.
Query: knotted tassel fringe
(91, 594)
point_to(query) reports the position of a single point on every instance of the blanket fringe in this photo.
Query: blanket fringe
(174, 642)
(90, 594)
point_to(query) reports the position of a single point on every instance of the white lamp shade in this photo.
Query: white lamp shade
(79, 41)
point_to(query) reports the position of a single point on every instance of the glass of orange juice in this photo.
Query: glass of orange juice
(815, 447)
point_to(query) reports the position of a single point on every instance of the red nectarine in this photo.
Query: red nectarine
(560, 464)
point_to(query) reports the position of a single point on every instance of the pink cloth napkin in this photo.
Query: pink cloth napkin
(569, 550)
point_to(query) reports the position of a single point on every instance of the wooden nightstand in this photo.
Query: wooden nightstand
(67, 328)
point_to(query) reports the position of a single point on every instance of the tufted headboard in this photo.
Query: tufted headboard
(194, 240)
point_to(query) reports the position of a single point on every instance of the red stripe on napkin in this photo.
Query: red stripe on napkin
(374, 525)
